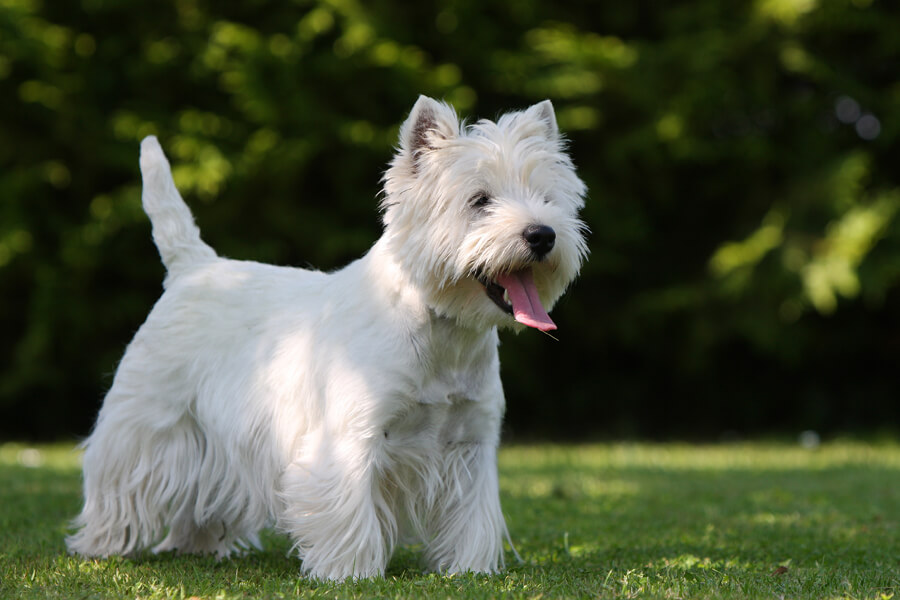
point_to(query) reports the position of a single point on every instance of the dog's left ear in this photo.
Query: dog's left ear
(428, 120)
(543, 111)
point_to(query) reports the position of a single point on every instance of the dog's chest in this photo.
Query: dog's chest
(451, 400)
(445, 411)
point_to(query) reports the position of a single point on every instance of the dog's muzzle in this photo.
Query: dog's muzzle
(515, 293)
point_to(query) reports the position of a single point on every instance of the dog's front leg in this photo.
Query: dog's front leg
(468, 527)
(334, 511)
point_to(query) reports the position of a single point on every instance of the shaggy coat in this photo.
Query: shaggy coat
(350, 409)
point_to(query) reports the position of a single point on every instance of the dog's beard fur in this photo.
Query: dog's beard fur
(349, 409)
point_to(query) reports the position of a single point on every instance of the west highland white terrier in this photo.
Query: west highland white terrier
(352, 409)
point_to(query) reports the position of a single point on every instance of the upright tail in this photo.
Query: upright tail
(174, 232)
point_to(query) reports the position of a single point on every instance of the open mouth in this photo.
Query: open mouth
(498, 294)
(516, 294)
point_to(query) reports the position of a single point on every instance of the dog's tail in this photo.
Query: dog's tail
(174, 232)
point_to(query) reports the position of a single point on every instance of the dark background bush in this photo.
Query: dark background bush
(742, 159)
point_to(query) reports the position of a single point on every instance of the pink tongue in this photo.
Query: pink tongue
(527, 307)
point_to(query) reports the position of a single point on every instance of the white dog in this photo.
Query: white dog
(349, 409)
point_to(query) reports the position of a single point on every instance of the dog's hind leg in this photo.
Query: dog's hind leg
(217, 537)
(133, 475)
(140, 462)
(223, 513)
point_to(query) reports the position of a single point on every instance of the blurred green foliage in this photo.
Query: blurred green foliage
(742, 160)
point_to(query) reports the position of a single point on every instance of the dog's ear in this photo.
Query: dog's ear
(429, 119)
(543, 111)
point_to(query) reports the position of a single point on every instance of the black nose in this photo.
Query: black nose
(540, 239)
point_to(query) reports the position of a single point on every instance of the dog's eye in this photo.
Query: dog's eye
(480, 200)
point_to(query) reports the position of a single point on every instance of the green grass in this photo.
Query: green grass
(759, 520)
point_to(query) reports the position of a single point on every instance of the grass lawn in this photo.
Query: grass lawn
(758, 520)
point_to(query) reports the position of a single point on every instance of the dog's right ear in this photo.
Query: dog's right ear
(428, 122)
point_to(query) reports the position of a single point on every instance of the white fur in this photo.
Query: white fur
(351, 409)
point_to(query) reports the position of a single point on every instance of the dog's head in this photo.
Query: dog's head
(484, 218)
